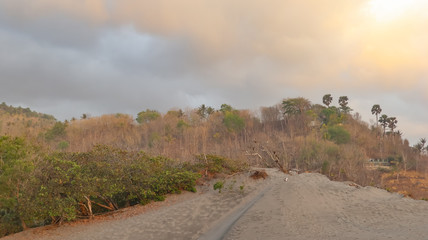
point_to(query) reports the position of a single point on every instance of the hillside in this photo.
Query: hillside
(23, 122)
(99, 164)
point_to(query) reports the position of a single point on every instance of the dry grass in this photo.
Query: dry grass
(259, 174)
(410, 183)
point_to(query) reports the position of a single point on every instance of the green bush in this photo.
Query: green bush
(56, 187)
(218, 185)
(338, 134)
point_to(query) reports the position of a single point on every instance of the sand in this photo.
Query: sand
(307, 206)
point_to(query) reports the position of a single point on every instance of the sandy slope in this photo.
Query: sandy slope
(307, 206)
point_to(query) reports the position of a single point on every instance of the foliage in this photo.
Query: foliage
(294, 106)
(224, 108)
(233, 122)
(58, 130)
(147, 116)
(338, 134)
(218, 185)
(204, 111)
(217, 164)
(343, 102)
(330, 116)
(376, 110)
(25, 111)
(384, 122)
(326, 99)
(59, 187)
(15, 169)
(63, 145)
(392, 123)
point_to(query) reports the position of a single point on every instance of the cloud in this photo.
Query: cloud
(106, 56)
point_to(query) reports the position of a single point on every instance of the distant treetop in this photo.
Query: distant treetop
(25, 111)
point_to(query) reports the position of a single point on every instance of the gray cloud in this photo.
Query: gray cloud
(104, 56)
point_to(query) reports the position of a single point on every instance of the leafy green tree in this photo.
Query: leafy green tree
(376, 110)
(233, 122)
(147, 116)
(329, 116)
(224, 108)
(61, 188)
(326, 99)
(15, 177)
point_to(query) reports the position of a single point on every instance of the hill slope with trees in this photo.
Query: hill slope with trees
(52, 171)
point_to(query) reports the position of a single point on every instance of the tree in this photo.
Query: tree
(225, 108)
(233, 122)
(327, 99)
(15, 177)
(420, 146)
(205, 112)
(293, 106)
(376, 110)
(392, 123)
(384, 122)
(296, 110)
(210, 110)
(202, 111)
(147, 116)
(343, 102)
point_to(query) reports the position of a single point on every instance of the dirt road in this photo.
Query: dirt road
(307, 206)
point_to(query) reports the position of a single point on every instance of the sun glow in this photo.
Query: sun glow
(388, 10)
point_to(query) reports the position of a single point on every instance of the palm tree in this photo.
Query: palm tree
(384, 122)
(422, 141)
(202, 111)
(343, 102)
(392, 123)
(327, 99)
(376, 110)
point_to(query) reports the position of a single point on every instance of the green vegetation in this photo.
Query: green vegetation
(58, 130)
(147, 116)
(218, 186)
(24, 111)
(216, 164)
(38, 188)
(338, 134)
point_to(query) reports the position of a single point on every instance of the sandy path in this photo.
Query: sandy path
(308, 206)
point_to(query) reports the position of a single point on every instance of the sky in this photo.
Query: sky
(71, 57)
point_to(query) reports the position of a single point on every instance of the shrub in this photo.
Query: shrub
(338, 135)
(216, 164)
(218, 185)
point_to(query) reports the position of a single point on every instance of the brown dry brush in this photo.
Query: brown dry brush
(269, 138)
